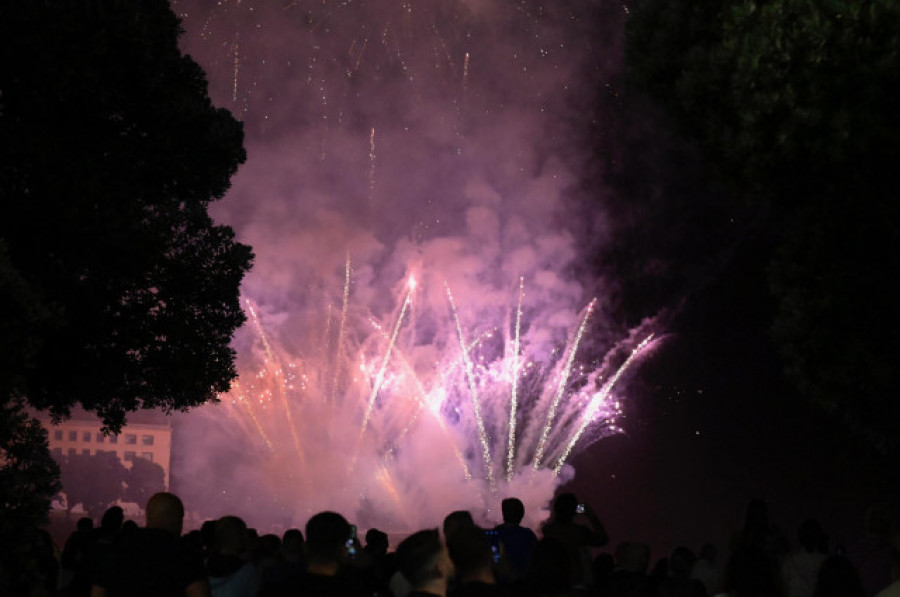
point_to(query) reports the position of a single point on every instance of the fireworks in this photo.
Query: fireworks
(391, 398)
(392, 430)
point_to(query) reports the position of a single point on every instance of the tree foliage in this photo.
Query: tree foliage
(95, 481)
(29, 477)
(144, 479)
(794, 104)
(110, 153)
(776, 90)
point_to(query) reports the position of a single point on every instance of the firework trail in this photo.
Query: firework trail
(472, 182)
(514, 393)
(467, 397)
(473, 391)
(561, 387)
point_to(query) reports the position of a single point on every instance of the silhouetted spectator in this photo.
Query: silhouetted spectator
(105, 536)
(193, 541)
(471, 553)
(759, 532)
(679, 583)
(30, 566)
(230, 573)
(838, 578)
(872, 555)
(75, 562)
(629, 577)
(659, 571)
(455, 520)
(425, 564)
(292, 561)
(706, 570)
(576, 538)
(208, 534)
(800, 569)
(751, 572)
(377, 565)
(548, 575)
(893, 589)
(327, 534)
(152, 560)
(292, 546)
(602, 567)
(517, 542)
(267, 554)
(112, 521)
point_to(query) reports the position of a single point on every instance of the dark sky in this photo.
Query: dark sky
(445, 140)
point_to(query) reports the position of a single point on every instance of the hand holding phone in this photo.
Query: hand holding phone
(351, 542)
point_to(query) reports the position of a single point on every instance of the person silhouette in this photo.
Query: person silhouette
(425, 563)
(152, 560)
(517, 542)
(576, 538)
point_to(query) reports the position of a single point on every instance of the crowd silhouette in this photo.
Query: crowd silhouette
(569, 556)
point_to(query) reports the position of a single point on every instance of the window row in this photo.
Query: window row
(128, 455)
(87, 436)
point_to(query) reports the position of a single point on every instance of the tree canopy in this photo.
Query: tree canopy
(776, 91)
(119, 291)
(793, 104)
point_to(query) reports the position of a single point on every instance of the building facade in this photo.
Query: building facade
(147, 437)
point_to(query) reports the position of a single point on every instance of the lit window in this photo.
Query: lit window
(73, 436)
(57, 434)
(147, 440)
(148, 456)
(130, 438)
(129, 455)
(86, 436)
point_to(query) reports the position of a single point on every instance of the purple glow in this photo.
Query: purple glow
(398, 150)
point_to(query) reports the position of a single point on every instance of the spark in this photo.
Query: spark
(514, 393)
(431, 403)
(372, 161)
(466, 74)
(561, 388)
(376, 387)
(242, 399)
(342, 325)
(285, 392)
(597, 401)
(473, 391)
(271, 360)
(237, 69)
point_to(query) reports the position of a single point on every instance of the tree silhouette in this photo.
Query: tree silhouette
(117, 290)
(110, 152)
(794, 104)
(95, 481)
(29, 477)
(143, 480)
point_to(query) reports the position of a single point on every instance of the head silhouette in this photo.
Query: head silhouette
(564, 507)
(165, 511)
(457, 520)
(420, 558)
(513, 510)
(326, 537)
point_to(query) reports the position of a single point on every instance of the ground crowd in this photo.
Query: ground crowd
(225, 558)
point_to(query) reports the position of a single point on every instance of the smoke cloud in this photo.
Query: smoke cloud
(436, 141)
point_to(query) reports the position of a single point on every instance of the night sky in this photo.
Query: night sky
(447, 140)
